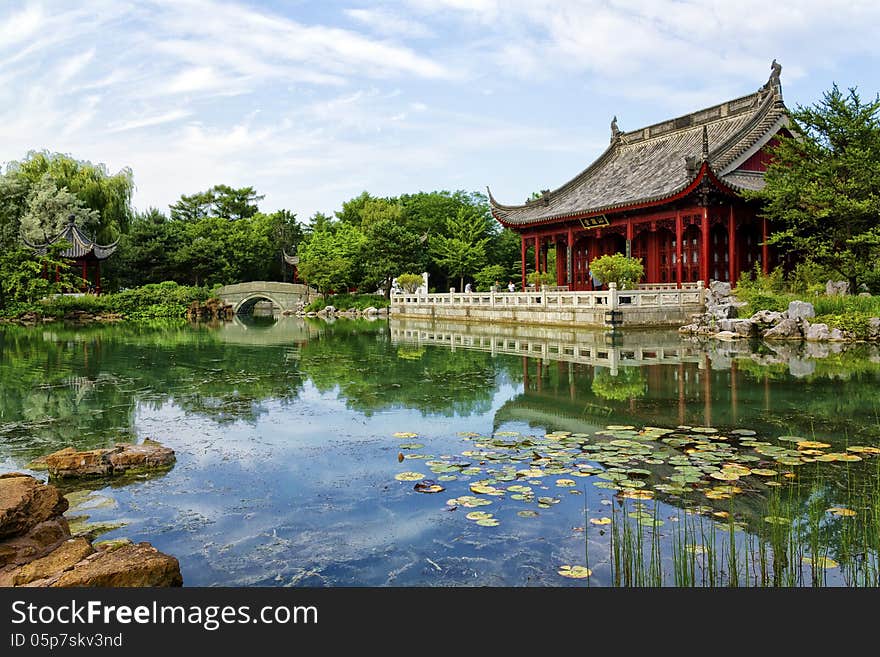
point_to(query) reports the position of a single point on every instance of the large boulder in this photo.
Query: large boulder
(26, 503)
(62, 558)
(720, 288)
(766, 317)
(816, 332)
(799, 310)
(787, 329)
(129, 565)
(836, 288)
(104, 462)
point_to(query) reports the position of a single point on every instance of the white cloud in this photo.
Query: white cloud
(148, 121)
(385, 21)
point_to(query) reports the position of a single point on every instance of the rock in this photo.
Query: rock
(836, 334)
(864, 294)
(689, 328)
(766, 317)
(384, 311)
(128, 565)
(62, 558)
(329, 310)
(371, 310)
(836, 288)
(726, 335)
(744, 328)
(109, 461)
(816, 332)
(36, 542)
(25, 503)
(720, 288)
(798, 310)
(784, 330)
(874, 328)
(801, 367)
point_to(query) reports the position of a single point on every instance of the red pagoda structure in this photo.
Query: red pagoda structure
(83, 253)
(669, 193)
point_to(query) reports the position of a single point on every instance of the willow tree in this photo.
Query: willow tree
(109, 195)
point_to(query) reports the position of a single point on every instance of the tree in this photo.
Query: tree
(49, 209)
(328, 258)
(192, 207)
(463, 251)
(21, 274)
(489, 275)
(617, 268)
(389, 249)
(147, 253)
(234, 204)
(96, 188)
(822, 192)
(410, 282)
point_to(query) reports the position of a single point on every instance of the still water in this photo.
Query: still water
(287, 455)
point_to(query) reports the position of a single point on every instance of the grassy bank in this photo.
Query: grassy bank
(152, 301)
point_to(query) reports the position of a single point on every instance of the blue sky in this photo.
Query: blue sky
(314, 102)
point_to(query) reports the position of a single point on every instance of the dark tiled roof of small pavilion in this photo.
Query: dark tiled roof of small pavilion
(648, 165)
(81, 245)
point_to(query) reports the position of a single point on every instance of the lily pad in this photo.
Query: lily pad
(478, 515)
(405, 434)
(488, 522)
(411, 446)
(599, 522)
(409, 476)
(428, 486)
(777, 520)
(764, 472)
(528, 513)
(575, 572)
(811, 444)
(839, 511)
(565, 483)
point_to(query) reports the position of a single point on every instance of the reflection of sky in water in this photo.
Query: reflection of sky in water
(300, 490)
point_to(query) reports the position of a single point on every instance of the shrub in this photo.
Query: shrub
(487, 276)
(409, 282)
(617, 268)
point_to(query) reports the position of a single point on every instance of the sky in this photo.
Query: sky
(314, 102)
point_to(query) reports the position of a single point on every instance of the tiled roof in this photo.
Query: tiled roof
(80, 244)
(649, 164)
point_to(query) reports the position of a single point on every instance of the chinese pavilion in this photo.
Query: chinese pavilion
(83, 253)
(669, 193)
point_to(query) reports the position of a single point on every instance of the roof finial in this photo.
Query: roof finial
(705, 144)
(773, 82)
(615, 131)
(71, 219)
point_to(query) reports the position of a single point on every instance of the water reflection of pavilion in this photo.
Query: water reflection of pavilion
(579, 380)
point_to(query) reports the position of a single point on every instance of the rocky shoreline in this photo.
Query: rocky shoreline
(721, 321)
(38, 550)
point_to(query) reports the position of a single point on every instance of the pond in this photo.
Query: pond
(404, 453)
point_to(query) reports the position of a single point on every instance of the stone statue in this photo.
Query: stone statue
(615, 131)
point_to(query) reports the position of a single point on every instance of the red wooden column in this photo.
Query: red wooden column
(569, 260)
(654, 257)
(537, 254)
(765, 251)
(629, 237)
(731, 247)
(678, 247)
(561, 258)
(523, 259)
(704, 246)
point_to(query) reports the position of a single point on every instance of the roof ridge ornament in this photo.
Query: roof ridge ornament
(705, 153)
(615, 131)
(773, 83)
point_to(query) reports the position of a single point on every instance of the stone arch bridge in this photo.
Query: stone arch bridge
(244, 296)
